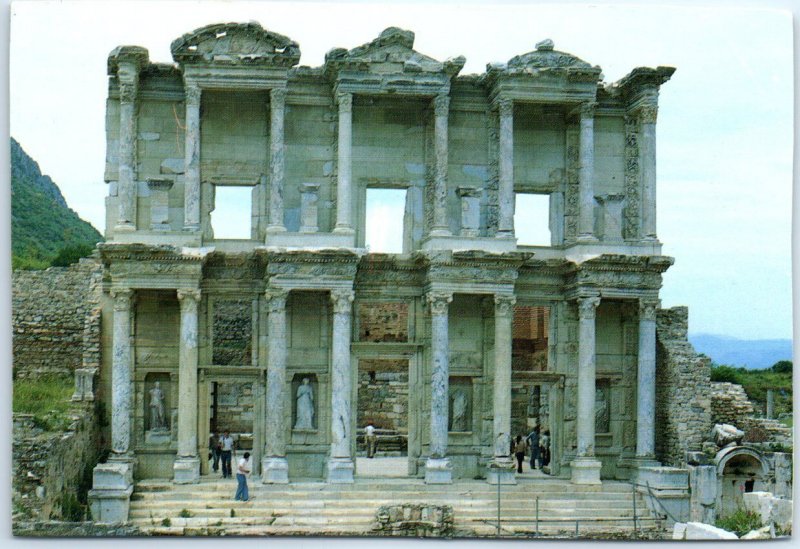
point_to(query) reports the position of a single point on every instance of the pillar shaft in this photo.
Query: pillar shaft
(121, 373)
(646, 390)
(341, 378)
(187, 374)
(586, 172)
(126, 185)
(439, 304)
(275, 442)
(277, 110)
(191, 197)
(647, 151)
(441, 105)
(586, 375)
(503, 317)
(505, 167)
(345, 144)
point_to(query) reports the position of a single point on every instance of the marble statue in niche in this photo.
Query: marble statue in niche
(305, 405)
(460, 406)
(158, 421)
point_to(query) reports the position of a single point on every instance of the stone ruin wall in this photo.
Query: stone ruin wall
(730, 404)
(51, 472)
(56, 319)
(683, 405)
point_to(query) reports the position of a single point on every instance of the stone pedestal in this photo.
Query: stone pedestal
(585, 471)
(274, 470)
(340, 470)
(309, 198)
(186, 470)
(501, 470)
(470, 210)
(110, 496)
(438, 471)
(159, 203)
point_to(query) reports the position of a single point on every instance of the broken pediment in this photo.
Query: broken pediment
(235, 44)
(546, 57)
(391, 52)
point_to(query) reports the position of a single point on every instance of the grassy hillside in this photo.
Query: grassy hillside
(43, 228)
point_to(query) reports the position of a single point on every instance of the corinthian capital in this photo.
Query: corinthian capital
(345, 102)
(648, 114)
(276, 299)
(189, 297)
(127, 92)
(648, 308)
(505, 107)
(588, 109)
(192, 93)
(439, 301)
(277, 97)
(441, 104)
(122, 298)
(587, 307)
(504, 305)
(342, 300)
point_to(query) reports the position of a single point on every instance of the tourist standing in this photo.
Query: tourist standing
(519, 452)
(216, 450)
(242, 474)
(226, 442)
(371, 439)
(533, 442)
(544, 443)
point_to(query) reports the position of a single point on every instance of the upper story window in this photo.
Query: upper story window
(532, 219)
(385, 220)
(231, 217)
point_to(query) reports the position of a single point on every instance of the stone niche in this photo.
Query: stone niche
(460, 410)
(157, 430)
(305, 403)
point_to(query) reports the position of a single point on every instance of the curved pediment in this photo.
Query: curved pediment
(235, 44)
(394, 51)
(546, 57)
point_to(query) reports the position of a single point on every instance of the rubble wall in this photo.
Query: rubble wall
(55, 319)
(51, 472)
(683, 405)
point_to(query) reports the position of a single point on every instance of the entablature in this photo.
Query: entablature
(139, 266)
(617, 276)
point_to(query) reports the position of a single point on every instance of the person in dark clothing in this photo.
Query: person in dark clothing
(533, 443)
(519, 452)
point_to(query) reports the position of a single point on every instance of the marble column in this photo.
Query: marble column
(646, 381)
(121, 374)
(344, 202)
(187, 466)
(340, 463)
(586, 173)
(128, 74)
(647, 154)
(274, 467)
(191, 176)
(585, 468)
(505, 167)
(277, 110)
(441, 107)
(438, 469)
(501, 468)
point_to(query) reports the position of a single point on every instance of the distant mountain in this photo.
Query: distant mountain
(42, 225)
(750, 353)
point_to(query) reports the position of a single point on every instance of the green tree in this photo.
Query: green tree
(782, 367)
(71, 254)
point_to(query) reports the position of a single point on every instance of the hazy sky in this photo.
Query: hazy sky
(724, 128)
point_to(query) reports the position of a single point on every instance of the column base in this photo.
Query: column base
(124, 228)
(440, 231)
(501, 471)
(584, 238)
(192, 228)
(349, 231)
(276, 229)
(110, 496)
(438, 471)
(585, 471)
(186, 470)
(340, 470)
(274, 470)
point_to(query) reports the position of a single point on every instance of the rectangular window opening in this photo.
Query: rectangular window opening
(231, 217)
(385, 220)
(532, 219)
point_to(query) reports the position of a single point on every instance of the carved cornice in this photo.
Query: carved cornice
(111, 252)
(235, 44)
(135, 56)
(438, 302)
(643, 79)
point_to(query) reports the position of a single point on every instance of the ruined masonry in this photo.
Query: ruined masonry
(476, 337)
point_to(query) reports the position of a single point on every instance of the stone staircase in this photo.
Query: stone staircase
(159, 507)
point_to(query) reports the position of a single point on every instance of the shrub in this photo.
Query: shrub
(185, 513)
(740, 522)
(166, 522)
(724, 373)
(71, 254)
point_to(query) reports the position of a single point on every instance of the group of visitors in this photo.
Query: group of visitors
(539, 445)
(222, 450)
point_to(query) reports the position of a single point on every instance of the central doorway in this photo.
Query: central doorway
(383, 401)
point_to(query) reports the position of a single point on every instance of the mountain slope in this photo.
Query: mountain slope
(750, 353)
(41, 222)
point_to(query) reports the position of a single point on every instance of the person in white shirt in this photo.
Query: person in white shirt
(242, 472)
(372, 440)
(226, 442)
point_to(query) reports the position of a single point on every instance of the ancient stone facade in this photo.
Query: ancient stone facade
(295, 310)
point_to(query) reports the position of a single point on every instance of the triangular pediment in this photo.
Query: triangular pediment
(235, 44)
(392, 51)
